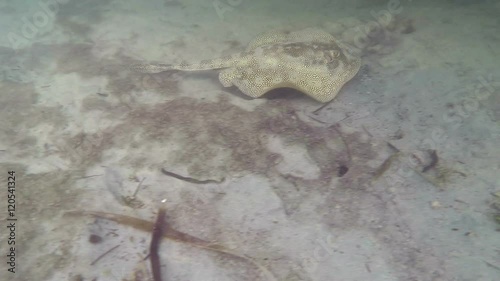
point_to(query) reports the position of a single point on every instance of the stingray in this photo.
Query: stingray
(309, 60)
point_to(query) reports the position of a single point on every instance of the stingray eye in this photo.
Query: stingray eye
(332, 55)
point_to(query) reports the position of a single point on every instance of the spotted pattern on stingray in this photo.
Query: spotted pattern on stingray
(308, 60)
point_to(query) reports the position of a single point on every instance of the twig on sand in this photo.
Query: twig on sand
(157, 233)
(105, 253)
(189, 179)
(172, 234)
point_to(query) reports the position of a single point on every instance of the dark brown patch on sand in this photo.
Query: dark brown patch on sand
(41, 198)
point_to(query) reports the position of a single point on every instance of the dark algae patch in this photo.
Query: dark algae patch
(219, 136)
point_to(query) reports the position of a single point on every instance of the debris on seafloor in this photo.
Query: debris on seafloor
(189, 179)
(104, 254)
(114, 183)
(157, 233)
(132, 201)
(172, 234)
(384, 166)
(433, 161)
(424, 163)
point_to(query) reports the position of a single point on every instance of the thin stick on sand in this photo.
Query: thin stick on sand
(172, 234)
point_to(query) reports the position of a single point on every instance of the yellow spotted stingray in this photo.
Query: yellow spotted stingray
(308, 60)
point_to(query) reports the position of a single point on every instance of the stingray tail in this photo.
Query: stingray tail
(151, 68)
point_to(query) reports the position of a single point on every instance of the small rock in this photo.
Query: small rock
(435, 205)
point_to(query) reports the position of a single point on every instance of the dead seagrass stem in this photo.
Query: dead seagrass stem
(172, 234)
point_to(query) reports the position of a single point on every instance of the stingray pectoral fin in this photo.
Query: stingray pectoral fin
(151, 67)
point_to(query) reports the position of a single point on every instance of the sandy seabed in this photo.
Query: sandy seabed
(396, 179)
